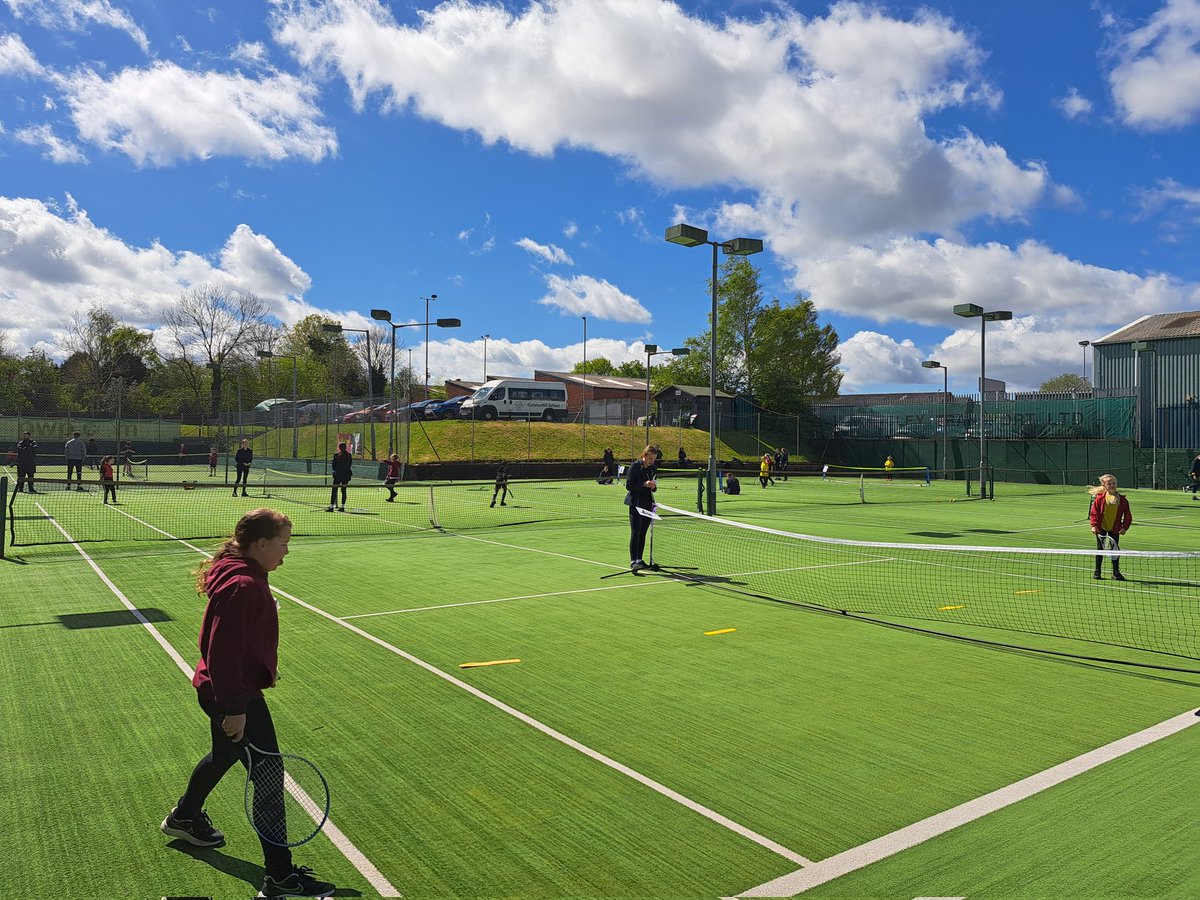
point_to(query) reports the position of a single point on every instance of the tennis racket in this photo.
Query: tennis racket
(1110, 546)
(287, 797)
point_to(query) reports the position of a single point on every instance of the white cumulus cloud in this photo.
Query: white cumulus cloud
(16, 58)
(583, 295)
(53, 147)
(1156, 79)
(78, 16)
(549, 252)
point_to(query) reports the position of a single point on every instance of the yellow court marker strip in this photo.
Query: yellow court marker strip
(944, 608)
(494, 662)
(722, 631)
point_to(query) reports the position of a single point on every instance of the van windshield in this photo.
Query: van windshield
(481, 394)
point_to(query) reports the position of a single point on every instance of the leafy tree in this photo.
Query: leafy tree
(1068, 382)
(105, 355)
(597, 366)
(633, 368)
(776, 353)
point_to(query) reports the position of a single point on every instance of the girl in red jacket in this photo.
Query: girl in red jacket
(1110, 518)
(239, 645)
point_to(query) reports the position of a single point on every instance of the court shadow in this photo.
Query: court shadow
(936, 534)
(109, 619)
(251, 873)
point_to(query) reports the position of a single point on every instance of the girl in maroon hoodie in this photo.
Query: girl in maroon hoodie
(239, 644)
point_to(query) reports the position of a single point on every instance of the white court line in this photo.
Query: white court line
(646, 781)
(911, 835)
(613, 587)
(355, 856)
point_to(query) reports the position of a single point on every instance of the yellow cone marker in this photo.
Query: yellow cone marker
(722, 631)
(944, 608)
(494, 662)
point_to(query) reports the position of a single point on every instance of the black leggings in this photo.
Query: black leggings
(1100, 536)
(639, 527)
(110, 489)
(225, 754)
(243, 478)
(77, 468)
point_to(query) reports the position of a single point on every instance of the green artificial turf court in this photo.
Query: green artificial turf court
(627, 754)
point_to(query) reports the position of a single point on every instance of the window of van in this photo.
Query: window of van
(497, 394)
(480, 394)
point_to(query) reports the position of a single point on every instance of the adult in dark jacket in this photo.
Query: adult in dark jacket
(239, 650)
(342, 465)
(244, 458)
(501, 484)
(640, 484)
(1194, 474)
(26, 462)
(75, 452)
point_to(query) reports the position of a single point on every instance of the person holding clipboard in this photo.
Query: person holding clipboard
(640, 486)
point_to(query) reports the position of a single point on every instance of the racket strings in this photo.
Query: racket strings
(287, 799)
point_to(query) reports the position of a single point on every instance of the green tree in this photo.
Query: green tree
(597, 366)
(1068, 382)
(777, 353)
(633, 368)
(105, 356)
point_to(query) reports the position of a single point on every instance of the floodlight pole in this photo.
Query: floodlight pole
(934, 364)
(972, 311)
(268, 354)
(1084, 345)
(485, 340)
(585, 386)
(338, 329)
(652, 351)
(689, 236)
(427, 300)
(383, 315)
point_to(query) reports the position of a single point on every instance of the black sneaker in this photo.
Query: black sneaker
(1097, 575)
(299, 884)
(197, 830)
(1118, 576)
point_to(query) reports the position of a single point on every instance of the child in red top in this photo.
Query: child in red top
(393, 474)
(108, 479)
(212, 461)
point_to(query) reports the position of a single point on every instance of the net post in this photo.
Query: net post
(700, 484)
(3, 512)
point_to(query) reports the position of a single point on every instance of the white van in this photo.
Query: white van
(513, 399)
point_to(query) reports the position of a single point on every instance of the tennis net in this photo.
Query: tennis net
(1043, 600)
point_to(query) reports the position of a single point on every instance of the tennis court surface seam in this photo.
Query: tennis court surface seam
(344, 845)
(656, 786)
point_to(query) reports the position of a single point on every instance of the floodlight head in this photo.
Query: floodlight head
(448, 323)
(652, 348)
(931, 364)
(686, 235)
(968, 310)
(998, 315)
(1084, 343)
(265, 354)
(381, 315)
(332, 329)
(742, 247)
(433, 296)
(681, 351)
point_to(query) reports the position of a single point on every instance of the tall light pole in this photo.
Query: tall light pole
(1084, 345)
(383, 315)
(427, 300)
(585, 387)
(267, 354)
(971, 311)
(687, 236)
(934, 364)
(1140, 347)
(486, 337)
(338, 329)
(652, 351)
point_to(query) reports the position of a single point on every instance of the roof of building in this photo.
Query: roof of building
(1156, 328)
(693, 391)
(882, 399)
(612, 382)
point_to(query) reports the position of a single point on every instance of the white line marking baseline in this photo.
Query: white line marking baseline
(911, 835)
(355, 856)
(613, 587)
(599, 757)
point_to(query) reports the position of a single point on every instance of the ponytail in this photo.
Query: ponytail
(253, 526)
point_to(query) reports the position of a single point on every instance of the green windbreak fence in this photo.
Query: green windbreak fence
(1014, 416)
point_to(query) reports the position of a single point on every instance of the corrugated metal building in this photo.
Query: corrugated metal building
(1158, 358)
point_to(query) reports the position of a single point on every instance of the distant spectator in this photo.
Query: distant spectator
(610, 459)
(26, 462)
(342, 465)
(244, 459)
(1194, 474)
(888, 465)
(732, 484)
(212, 461)
(93, 453)
(683, 460)
(75, 452)
(127, 456)
(606, 475)
(764, 470)
(108, 479)
(781, 461)
(501, 484)
(182, 453)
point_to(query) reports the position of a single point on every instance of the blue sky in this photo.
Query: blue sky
(522, 161)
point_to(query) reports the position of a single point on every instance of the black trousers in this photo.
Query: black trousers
(242, 478)
(225, 754)
(25, 476)
(1100, 536)
(110, 488)
(496, 490)
(333, 493)
(77, 467)
(639, 527)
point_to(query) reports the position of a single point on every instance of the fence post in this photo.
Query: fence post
(3, 512)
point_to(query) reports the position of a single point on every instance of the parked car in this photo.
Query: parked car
(447, 409)
(918, 431)
(510, 398)
(377, 413)
(417, 410)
